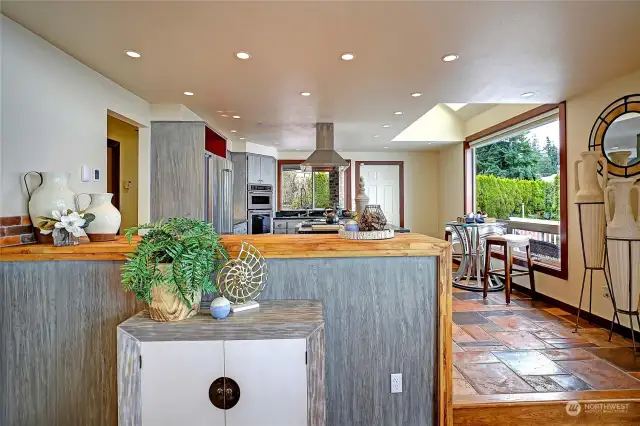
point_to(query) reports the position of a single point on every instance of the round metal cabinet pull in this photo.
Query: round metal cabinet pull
(224, 393)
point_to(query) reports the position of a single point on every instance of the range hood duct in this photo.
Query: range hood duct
(324, 156)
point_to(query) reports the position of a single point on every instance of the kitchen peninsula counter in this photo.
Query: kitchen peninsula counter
(387, 308)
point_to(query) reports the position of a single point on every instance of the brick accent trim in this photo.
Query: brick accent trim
(16, 230)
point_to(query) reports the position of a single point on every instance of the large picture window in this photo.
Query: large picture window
(516, 172)
(298, 189)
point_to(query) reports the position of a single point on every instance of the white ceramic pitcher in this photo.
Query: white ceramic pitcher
(52, 194)
(620, 222)
(107, 222)
(588, 189)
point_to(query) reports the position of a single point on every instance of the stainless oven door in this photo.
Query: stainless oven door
(260, 222)
(260, 200)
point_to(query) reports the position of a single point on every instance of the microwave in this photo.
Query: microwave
(260, 197)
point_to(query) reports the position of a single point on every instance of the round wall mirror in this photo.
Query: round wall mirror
(616, 133)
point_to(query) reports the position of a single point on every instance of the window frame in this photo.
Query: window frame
(347, 186)
(470, 190)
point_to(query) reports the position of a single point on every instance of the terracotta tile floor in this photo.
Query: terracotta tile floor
(529, 346)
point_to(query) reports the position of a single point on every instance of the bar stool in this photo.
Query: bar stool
(508, 242)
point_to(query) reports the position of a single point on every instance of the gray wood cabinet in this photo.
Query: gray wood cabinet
(253, 168)
(261, 169)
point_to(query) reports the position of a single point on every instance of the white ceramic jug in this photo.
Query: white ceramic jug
(588, 188)
(107, 222)
(52, 194)
(620, 221)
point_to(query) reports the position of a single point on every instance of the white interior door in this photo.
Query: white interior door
(272, 376)
(175, 383)
(383, 188)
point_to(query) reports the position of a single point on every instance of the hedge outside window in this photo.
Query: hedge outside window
(308, 190)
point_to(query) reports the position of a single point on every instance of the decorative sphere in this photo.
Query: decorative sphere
(220, 308)
(351, 226)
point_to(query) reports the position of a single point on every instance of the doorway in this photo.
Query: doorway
(113, 171)
(384, 185)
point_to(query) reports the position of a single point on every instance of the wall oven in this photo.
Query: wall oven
(260, 222)
(260, 197)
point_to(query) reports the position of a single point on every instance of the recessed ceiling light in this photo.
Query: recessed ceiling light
(305, 94)
(398, 113)
(450, 57)
(132, 53)
(234, 131)
(348, 57)
(242, 139)
(385, 147)
(243, 55)
(297, 149)
(416, 94)
(223, 115)
(188, 93)
(236, 116)
(430, 143)
(386, 126)
(527, 94)
(376, 136)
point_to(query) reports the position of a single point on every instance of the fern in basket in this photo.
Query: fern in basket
(191, 247)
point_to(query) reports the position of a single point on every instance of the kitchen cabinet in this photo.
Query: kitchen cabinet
(275, 355)
(240, 228)
(261, 169)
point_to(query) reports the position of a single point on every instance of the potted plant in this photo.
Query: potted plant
(172, 266)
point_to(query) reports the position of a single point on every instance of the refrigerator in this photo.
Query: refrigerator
(218, 193)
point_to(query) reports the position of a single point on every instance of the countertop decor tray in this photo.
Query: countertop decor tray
(366, 235)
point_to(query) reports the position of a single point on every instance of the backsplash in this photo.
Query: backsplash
(16, 230)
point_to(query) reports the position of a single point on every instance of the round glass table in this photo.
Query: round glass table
(471, 237)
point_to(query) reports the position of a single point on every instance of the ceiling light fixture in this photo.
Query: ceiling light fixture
(242, 139)
(527, 94)
(398, 113)
(243, 55)
(297, 149)
(188, 93)
(385, 147)
(236, 116)
(376, 136)
(450, 57)
(416, 94)
(305, 94)
(348, 57)
(132, 54)
(386, 126)
(223, 115)
(234, 131)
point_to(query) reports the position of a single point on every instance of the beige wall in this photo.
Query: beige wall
(127, 135)
(582, 112)
(451, 177)
(421, 184)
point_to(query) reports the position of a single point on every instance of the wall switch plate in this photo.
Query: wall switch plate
(96, 175)
(396, 383)
(605, 292)
(85, 173)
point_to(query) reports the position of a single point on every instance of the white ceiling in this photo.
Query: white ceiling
(555, 49)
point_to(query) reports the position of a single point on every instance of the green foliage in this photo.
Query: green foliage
(515, 157)
(191, 246)
(321, 183)
(298, 189)
(550, 159)
(502, 197)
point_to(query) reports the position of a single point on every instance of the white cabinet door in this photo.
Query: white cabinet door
(175, 380)
(272, 376)
(268, 170)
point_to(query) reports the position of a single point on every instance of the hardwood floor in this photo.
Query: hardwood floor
(521, 363)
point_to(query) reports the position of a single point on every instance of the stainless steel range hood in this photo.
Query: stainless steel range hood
(324, 156)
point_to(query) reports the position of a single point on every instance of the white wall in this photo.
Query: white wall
(172, 112)
(451, 190)
(54, 117)
(421, 184)
(439, 124)
(495, 115)
(254, 148)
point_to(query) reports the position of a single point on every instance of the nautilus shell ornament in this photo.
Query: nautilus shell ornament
(242, 279)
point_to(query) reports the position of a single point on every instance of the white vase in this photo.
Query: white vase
(52, 194)
(620, 220)
(588, 189)
(593, 229)
(107, 222)
(618, 253)
(620, 158)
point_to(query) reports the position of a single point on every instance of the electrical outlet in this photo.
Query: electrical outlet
(396, 383)
(605, 292)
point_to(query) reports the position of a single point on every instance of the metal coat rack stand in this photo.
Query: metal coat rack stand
(591, 269)
(630, 312)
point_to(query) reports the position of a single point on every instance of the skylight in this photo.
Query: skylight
(455, 106)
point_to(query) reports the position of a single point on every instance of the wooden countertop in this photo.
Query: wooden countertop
(271, 246)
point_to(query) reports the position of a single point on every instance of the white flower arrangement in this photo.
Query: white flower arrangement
(66, 221)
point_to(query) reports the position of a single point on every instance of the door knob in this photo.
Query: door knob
(224, 393)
